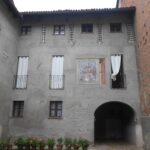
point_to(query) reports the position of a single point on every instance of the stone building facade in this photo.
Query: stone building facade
(9, 27)
(142, 28)
(73, 74)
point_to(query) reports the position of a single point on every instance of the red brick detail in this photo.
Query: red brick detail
(142, 25)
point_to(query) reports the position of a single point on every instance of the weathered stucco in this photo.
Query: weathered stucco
(79, 100)
(8, 46)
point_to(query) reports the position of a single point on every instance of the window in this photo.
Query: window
(20, 80)
(59, 29)
(117, 72)
(18, 108)
(55, 109)
(57, 77)
(25, 30)
(115, 27)
(87, 28)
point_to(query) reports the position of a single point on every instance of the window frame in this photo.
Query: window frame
(59, 30)
(113, 27)
(56, 75)
(16, 75)
(56, 109)
(123, 77)
(18, 108)
(87, 28)
(25, 30)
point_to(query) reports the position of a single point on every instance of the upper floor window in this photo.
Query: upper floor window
(59, 29)
(117, 71)
(20, 80)
(57, 75)
(87, 28)
(18, 108)
(115, 27)
(25, 30)
(55, 109)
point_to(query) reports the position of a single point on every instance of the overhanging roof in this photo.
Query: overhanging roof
(14, 10)
(80, 12)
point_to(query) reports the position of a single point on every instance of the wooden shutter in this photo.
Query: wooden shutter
(102, 71)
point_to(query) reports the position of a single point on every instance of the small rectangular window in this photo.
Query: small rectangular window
(87, 28)
(115, 27)
(55, 110)
(25, 30)
(117, 72)
(18, 107)
(59, 29)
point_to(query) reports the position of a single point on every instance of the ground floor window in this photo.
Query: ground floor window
(55, 109)
(18, 108)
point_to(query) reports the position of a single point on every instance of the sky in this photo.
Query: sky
(45, 5)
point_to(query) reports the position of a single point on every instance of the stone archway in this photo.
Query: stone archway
(114, 121)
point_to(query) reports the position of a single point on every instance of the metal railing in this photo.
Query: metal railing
(119, 83)
(56, 81)
(20, 81)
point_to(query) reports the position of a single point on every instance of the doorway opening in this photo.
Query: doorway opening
(114, 122)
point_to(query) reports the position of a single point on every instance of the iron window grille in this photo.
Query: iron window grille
(25, 30)
(59, 29)
(120, 82)
(55, 110)
(87, 28)
(18, 107)
(20, 81)
(57, 82)
(115, 27)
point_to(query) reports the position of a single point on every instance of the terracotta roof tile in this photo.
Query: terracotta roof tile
(81, 11)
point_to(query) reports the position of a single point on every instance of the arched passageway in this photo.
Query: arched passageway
(114, 121)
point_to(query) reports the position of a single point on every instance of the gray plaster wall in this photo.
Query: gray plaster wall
(79, 100)
(8, 47)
